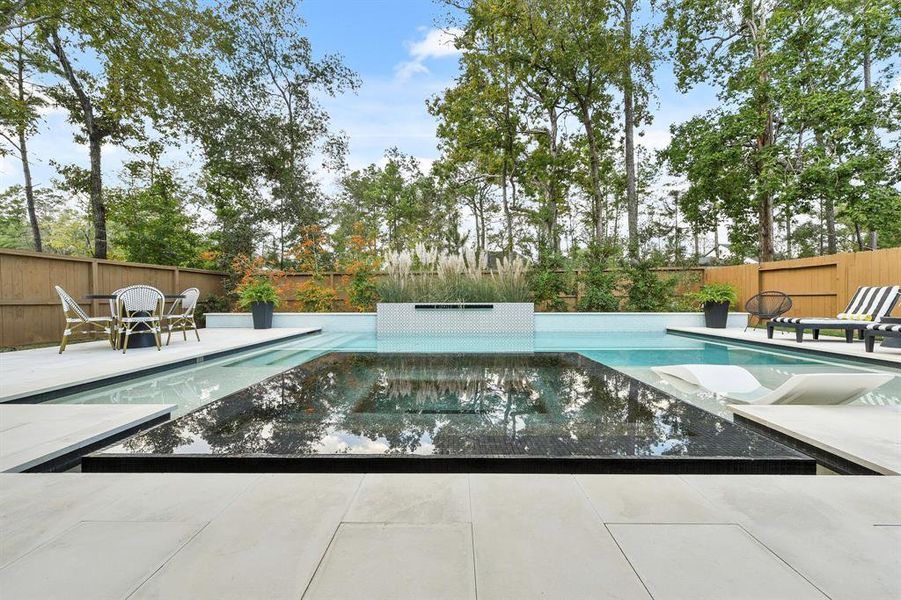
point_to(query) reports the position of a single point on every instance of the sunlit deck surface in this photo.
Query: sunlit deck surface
(238, 536)
(44, 436)
(827, 346)
(45, 371)
(868, 437)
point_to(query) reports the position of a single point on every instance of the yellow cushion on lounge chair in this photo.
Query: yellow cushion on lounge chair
(855, 316)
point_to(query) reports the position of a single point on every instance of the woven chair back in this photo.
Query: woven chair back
(768, 304)
(140, 298)
(189, 302)
(69, 303)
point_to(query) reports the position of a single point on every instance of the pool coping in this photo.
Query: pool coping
(99, 382)
(102, 462)
(801, 349)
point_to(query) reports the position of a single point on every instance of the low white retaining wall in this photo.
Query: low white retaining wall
(544, 322)
(444, 318)
(343, 322)
(624, 321)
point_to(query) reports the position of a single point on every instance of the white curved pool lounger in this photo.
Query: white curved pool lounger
(808, 388)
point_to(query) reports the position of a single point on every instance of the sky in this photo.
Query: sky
(402, 52)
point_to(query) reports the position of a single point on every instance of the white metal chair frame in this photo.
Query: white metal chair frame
(76, 319)
(132, 304)
(183, 320)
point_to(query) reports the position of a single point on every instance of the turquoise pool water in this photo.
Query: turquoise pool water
(631, 353)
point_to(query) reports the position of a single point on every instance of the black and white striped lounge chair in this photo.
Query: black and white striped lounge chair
(881, 330)
(873, 302)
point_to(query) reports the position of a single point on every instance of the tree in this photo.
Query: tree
(152, 215)
(572, 47)
(13, 227)
(729, 42)
(395, 205)
(19, 114)
(159, 57)
(266, 123)
(478, 123)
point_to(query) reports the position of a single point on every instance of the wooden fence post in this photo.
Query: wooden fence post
(94, 286)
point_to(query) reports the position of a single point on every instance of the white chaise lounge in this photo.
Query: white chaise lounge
(808, 388)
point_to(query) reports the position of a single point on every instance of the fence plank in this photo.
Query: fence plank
(819, 286)
(29, 308)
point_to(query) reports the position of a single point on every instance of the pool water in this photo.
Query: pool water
(471, 407)
(632, 353)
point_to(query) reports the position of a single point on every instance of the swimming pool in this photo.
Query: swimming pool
(328, 396)
(633, 354)
(451, 412)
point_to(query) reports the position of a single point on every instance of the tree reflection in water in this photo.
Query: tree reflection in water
(454, 404)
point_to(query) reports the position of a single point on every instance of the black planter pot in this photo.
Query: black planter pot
(262, 314)
(715, 314)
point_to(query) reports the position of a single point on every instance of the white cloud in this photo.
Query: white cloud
(655, 138)
(437, 43)
(405, 70)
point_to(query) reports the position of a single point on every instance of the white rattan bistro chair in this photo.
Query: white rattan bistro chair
(139, 305)
(114, 313)
(76, 318)
(181, 315)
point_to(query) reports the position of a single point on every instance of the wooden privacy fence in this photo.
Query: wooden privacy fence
(819, 286)
(30, 311)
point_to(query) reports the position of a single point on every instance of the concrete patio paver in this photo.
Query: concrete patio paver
(412, 498)
(266, 544)
(266, 536)
(648, 499)
(177, 497)
(31, 435)
(869, 436)
(705, 561)
(35, 508)
(824, 527)
(397, 560)
(537, 536)
(95, 559)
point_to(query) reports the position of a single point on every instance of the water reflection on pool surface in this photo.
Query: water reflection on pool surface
(402, 404)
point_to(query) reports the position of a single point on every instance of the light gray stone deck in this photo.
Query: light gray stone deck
(869, 436)
(833, 346)
(449, 536)
(28, 372)
(32, 434)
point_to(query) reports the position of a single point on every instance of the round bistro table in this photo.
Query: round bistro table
(141, 337)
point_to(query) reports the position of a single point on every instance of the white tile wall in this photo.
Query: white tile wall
(502, 317)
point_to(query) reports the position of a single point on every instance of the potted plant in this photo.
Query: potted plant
(262, 298)
(715, 299)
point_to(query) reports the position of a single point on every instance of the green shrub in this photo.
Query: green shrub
(548, 282)
(599, 285)
(313, 296)
(648, 292)
(362, 290)
(714, 292)
(258, 290)
(210, 304)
